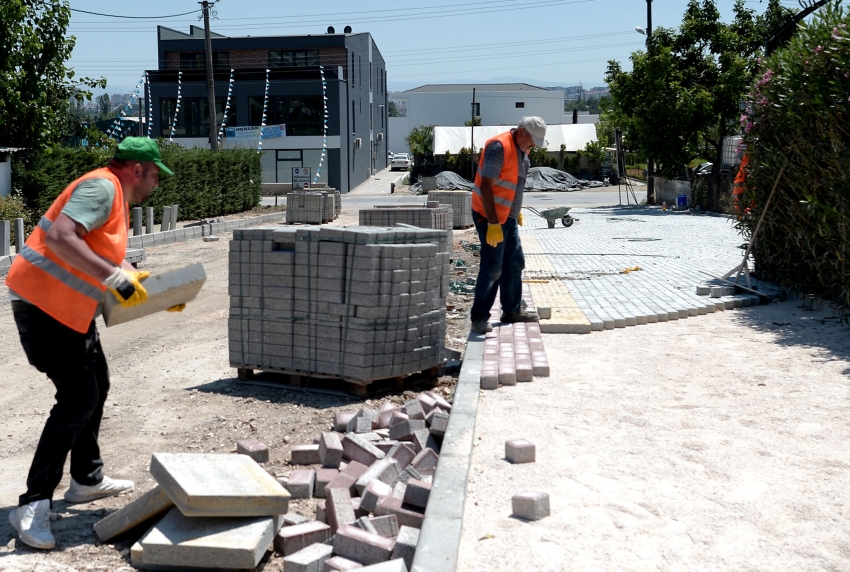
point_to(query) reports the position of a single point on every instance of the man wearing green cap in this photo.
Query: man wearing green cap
(56, 286)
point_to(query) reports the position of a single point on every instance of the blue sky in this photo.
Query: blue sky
(545, 42)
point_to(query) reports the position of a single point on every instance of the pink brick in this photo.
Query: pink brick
(541, 370)
(524, 371)
(373, 493)
(417, 493)
(359, 511)
(339, 509)
(342, 481)
(507, 375)
(406, 514)
(361, 546)
(330, 450)
(425, 461)
(341, 419)
(386, 414)
(428, 403)
(403, 453)
(340, 564)
(301, 484)
(441, 401)
(323, 478)
(305, 455)
(253, 449)
(291, 539)
(356, 448)
(520, 451)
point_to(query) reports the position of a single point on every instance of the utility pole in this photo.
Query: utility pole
(650, 166)
(472, 140)
(210, 81)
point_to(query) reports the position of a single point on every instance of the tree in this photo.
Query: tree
(420, 141)
(684, 91)
(35, 84)
(475, 121)
(104, 105)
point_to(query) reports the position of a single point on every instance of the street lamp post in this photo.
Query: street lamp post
(650, 166)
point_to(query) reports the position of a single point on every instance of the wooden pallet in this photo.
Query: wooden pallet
(305, 381)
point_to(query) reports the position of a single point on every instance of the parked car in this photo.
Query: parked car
(400, 161)
(703, 169)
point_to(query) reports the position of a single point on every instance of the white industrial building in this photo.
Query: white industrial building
(451, 105)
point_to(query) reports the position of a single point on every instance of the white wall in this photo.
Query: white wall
(5, 174)
(454, 108)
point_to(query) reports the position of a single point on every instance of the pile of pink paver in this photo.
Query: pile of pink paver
(374, 472)
(513, 352)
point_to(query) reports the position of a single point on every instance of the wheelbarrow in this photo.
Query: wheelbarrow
(552, 215)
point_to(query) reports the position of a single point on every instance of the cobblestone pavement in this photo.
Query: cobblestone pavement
(627, 266)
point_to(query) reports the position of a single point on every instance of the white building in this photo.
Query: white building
(451, 105)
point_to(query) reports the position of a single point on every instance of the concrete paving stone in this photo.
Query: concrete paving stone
(301, 484)
(361, 546)
(309, 559)
(385, 415)
(363, 523)
(425, 461)
(520, 451)
(323, 478)
(178, 540)
(384, 470)
(439, 423)
(427, 402)
(254, 449)
(359, 511)
(305, 455)
(330, 450)
(340, 564)
(423, 439)
(414, 410)
(417, 493)
(166, 289)
(403, 453)
(342, 481)
(407, 515)
(405, 545)
(135, 513)
(386, 525)
(404, 430)
(291, 539)
(531, 505)
(339, 508)
(356, 448)
(293, 518)
(322, 511)
(218, 485)
(373, 493)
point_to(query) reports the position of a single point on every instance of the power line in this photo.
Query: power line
(132, 17)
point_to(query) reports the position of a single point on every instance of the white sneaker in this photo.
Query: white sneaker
(78, 493)
(32, 521)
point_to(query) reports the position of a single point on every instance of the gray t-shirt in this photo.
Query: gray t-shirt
(494, 158)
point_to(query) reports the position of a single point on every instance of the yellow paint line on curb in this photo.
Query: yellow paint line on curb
(567, 317)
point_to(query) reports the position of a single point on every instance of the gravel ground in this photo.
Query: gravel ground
(712, 443)
(172, 391)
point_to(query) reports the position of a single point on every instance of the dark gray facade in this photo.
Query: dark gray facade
(355, 73)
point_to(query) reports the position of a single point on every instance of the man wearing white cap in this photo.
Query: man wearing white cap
(496, 204)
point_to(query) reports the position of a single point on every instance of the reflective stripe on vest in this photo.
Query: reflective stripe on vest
(44, 224)
(60, 273)
(496, 199)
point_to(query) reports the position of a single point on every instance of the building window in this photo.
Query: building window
(198, 61)
(381, 111)
(302, 114)
(283, 59)
(352, 69)
(193, 119)
(520, 104)
(353, 119)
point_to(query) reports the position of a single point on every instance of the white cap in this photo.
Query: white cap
(536, 127)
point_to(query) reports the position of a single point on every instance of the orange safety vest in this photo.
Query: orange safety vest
(504, 188)
(740, 184)
(42, 278)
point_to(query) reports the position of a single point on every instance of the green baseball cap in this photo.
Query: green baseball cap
(141, 149)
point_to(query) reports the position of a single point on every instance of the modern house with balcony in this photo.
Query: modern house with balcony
(354, 98)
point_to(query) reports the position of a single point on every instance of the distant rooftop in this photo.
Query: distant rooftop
(464, 87)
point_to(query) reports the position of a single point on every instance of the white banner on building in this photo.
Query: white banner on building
(253, 133)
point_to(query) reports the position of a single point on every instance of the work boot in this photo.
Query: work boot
(521, 316)
(481, 327)
(78, 493)
(32, 521)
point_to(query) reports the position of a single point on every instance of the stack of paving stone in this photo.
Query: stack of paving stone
(513, 352)
(355, 303)
(305, 207)
(374, 472)
(337, 203)
(461, 203)
(433, 215)
(213, 511)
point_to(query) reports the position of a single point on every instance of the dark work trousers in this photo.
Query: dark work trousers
(501, 270)
(75, 364)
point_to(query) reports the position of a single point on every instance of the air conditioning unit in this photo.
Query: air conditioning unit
(380, 137)
(358, 142)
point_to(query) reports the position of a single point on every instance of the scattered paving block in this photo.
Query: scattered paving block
(371, 415)
(423, 439)
(414, 410)
(373, 493)
(385, 470)
(323, 478)
(341, 419)
(359, 511)
(137, 558)
(301, 484)
(305, 455)
(309, 559)
(405, 545)
(179, 540)
(386, 446)
(417, 493)
(404, 430)
(427, 402)
(439, 423)
(291, 539)
(171, 288)
(703, 290)
(253, 449)
(218, 485)
(406, 514)
(386, 525)
(382, 433)
(359, 425)
(397, 417)
(148, 506)
(403, 453)
(342, 481)
(408, 473)
(330, 450)
(530, 506)
(441, 401)
(339, 509)
(340, 564)
(425, 461)
(361, 546)
(490, 378)
(385, 414)
(520, 451)
(363, 523)
(355, 448)
(389, 566)
(545, 312)
(293, 518)
(398, 490)
(322, 511)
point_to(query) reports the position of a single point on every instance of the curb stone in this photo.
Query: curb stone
(439, 540)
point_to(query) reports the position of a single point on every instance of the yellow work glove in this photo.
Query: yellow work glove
(494, 235)
(127, 287)
(519, 219)
(177, 308)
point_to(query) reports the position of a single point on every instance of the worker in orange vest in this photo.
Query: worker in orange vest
(739, 186)
(496, 204)
(56, 286)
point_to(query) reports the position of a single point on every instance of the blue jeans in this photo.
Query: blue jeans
(501, 270)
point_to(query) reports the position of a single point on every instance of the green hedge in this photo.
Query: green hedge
(799, 115)
(205, 183)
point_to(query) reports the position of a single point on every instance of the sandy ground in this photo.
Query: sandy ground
(172, 391)
(712, 443)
